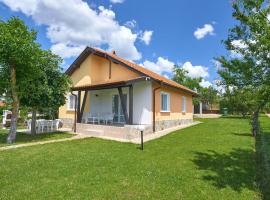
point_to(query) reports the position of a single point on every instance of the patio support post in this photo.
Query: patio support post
(124, 107)
(83, 105)
(130, 113)
(78, 106)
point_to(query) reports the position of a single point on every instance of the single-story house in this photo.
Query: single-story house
(115, 95)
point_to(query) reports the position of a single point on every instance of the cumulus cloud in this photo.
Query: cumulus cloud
(217, 64)
(204, 83)
(74, 25)
(162, 65)
(131, 24)
(207, 29)
(195, 71)
(146, 37)
(117, 1)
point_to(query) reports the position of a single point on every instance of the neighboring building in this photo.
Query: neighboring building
(205, 108)
(115, 91)
(2, 102)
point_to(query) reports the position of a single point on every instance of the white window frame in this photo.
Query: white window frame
(184, 104)
(168, 101)
(68, 102)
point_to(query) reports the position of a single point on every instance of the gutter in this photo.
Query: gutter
(154, 108)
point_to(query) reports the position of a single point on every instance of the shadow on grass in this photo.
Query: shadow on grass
(263, 163)
(25, 138)
(235, 169)
(235, 117)
(243, 134)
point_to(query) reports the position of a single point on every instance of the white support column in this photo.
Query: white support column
(200, 108)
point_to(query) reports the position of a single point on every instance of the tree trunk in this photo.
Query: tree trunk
(15, 107)
(255, 123)
(33, 122)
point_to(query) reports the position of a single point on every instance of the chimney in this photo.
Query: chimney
(114, 52)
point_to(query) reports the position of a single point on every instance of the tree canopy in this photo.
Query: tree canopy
(247, 67)
(29, 76)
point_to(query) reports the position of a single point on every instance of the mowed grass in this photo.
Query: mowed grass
(212, 160)
(263, 157)
(26, 138)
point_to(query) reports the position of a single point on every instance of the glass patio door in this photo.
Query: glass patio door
(118, 115)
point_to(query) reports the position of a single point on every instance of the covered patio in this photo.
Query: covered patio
(110, 109)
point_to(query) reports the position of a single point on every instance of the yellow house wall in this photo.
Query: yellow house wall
(175, 104)
(93, 70)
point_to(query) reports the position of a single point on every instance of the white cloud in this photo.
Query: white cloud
(65, 50)
(131, 24)
(217, 64)
(162, 65)
(117, 1)
(239, 44)
(205, 83)
(146, 37)
(195, 71)
(200, 33)
(75, 24)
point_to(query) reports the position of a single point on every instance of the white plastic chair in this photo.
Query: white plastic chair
(108, 117)
(56, 124)
(29, 122)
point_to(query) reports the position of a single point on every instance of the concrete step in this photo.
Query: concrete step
(91, 132)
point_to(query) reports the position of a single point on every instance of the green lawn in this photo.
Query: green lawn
(213, 160)
(24, 138)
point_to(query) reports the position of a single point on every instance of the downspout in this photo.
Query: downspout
(75, 113)
(154, 108)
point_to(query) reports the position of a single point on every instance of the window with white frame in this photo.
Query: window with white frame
(165, 102)
(183, 104)
(71, 102)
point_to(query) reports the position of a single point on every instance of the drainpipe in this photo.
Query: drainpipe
(75, 114)
(154, 108)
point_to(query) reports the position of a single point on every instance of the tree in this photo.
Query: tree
(236, 101)
(207, 95)
(18, 52)
(181, 77)
(47, 88)
(249, 70)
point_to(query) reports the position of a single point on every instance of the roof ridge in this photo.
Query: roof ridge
(161, 78)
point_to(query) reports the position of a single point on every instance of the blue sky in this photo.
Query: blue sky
(155, 34)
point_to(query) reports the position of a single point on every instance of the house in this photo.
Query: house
(2, 102)
(116, 95)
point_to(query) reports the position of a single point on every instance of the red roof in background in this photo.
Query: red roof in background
(2, 104)
(127, 63)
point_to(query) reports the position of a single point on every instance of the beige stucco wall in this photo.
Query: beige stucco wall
(175, 104)
(95, 70)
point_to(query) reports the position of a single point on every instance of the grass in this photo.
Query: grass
(263, 157)
(212, 160)
(24, 138)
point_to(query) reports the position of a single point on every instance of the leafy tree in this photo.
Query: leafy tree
(29, 75)
(207, 95)
(46, 91)
(181, 77)
(249, 70)
(237, 101)
(18, 55)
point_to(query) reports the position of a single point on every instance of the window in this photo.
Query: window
(165, 102)
(183, 104)
(71, 102)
